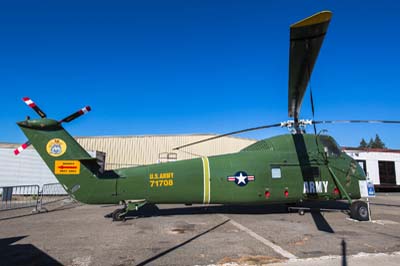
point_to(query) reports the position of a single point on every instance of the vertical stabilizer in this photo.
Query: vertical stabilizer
(74, 168)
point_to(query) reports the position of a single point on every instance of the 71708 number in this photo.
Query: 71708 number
(162, 183)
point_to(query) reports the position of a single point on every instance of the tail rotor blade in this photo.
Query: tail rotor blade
(75, 115)
(33, 105)
(22, 148)
(227, 134)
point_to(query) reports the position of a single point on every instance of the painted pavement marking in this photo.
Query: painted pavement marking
(266, 242)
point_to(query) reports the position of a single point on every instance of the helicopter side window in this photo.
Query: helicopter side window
(311, 173)
(330, 146)
(276, 172)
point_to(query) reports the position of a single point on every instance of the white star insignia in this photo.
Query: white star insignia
(241, 179)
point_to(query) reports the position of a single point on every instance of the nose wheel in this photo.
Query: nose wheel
(119, 214)
(359, 211)
(129, 205)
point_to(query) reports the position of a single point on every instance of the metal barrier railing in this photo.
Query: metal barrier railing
(51, 193)
(16, 197)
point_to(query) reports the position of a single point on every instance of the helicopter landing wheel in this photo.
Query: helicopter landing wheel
(359, 211)
(118, 215)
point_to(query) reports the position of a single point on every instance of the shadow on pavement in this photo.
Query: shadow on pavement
(23, 254)
(151, 210)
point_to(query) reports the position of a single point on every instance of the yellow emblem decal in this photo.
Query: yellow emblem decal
(68, 167)
(56, 147)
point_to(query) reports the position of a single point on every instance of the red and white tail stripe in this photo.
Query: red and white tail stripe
(75, 115)
(22, 148)
(33, 105)
(29, 102)
(85, 110)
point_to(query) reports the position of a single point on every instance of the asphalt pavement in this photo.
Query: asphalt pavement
(74, 234)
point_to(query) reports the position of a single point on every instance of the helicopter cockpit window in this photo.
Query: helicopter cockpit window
(330, 146)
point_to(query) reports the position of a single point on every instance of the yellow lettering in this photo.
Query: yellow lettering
(161, 179)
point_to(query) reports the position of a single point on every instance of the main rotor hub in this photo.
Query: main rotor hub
(296, 127)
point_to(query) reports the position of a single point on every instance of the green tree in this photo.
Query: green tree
(371, 143)
(363, 144)
(378, 143)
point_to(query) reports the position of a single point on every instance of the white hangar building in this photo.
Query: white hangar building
(382, 166)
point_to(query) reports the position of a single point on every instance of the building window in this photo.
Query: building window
(167, 157)
(363, 165)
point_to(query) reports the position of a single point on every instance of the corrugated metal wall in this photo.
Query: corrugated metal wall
(139, 150)
(26, 169)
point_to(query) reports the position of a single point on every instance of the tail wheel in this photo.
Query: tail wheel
(117, 215)
(359, 211)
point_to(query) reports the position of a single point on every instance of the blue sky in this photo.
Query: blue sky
(176, 67)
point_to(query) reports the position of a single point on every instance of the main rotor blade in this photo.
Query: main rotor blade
(357, 121)
(228, 134)
(306, 37)
(75, 115)
(33, 105)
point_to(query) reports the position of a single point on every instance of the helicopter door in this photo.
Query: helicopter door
(283, 182)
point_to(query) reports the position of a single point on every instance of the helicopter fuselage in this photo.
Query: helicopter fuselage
(283, 169)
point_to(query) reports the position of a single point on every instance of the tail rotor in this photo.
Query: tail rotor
(28, 101)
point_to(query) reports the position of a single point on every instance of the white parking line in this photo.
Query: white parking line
(266, 242)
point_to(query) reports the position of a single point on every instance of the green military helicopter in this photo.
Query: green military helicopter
(285, 169)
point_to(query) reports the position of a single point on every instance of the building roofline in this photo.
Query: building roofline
(10, 145)
(370, 149)
(164, 135)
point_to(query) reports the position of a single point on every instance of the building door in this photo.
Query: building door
(387, 173)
